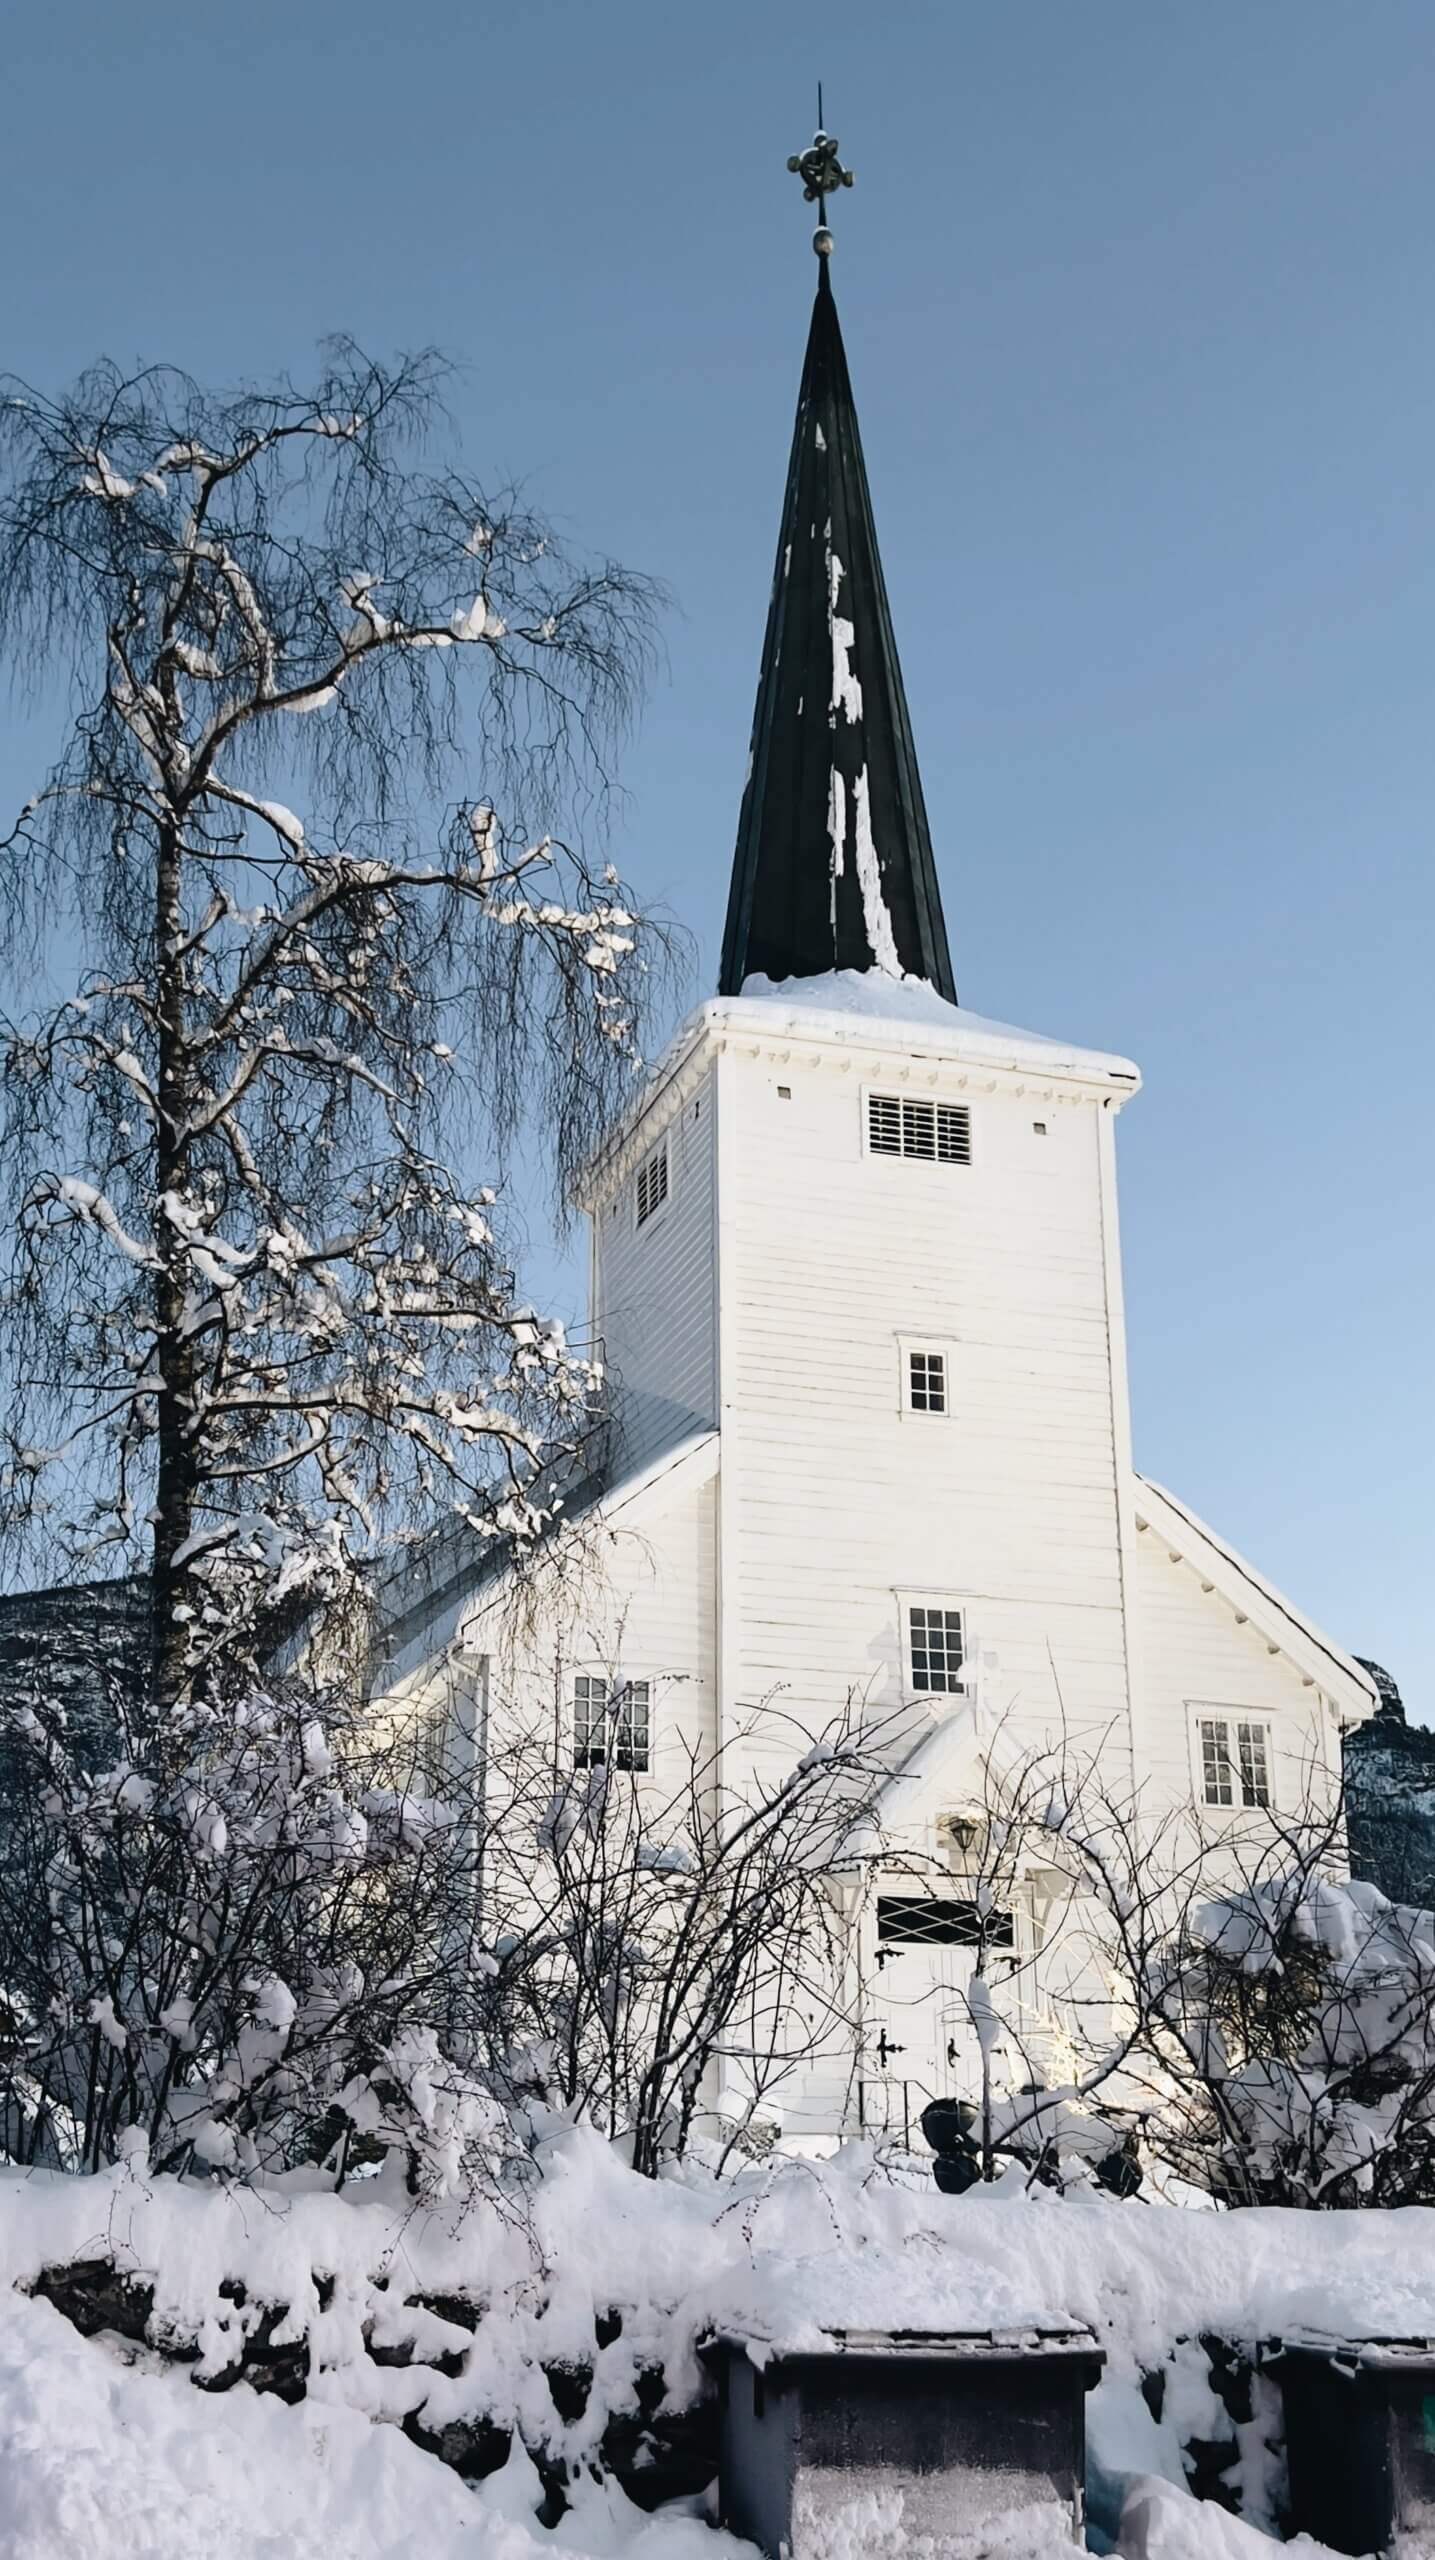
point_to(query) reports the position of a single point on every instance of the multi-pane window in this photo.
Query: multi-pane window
(935, 1920)
(652, 1183)
(1254, 1762)
(901, 1124)
(927, 1381)
(1217, 1775)
(612, 1721)
(1235, 1761)
(935, 1646)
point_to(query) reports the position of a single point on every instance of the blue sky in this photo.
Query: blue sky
(1139, 306)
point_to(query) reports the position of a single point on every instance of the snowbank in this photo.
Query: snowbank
(779, 2252)
(473, 2316)
(1158, 2523)
(126, 2461)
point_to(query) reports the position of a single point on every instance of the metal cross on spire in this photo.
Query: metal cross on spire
(822, 174)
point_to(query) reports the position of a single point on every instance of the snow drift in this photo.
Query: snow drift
(529, 2330)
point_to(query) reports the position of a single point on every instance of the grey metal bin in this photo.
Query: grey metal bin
(1360, 2439)
(904, 2433)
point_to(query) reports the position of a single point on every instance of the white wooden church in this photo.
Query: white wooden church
(856, 1279)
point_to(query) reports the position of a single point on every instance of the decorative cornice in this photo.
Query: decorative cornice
(885, 1055)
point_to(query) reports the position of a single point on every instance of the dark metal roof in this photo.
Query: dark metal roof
(82, 1647)
(834, 865)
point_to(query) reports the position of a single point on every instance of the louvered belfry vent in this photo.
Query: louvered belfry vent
(834, 867)
(652, 1184)
(902, 1125)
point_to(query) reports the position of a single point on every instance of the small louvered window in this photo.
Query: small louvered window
(652, 1183)
(900, 1124)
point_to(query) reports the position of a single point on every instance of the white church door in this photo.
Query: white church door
(920, 2042)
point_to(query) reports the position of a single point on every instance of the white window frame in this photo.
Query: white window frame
(1203, 1711)
(929, 1346)
(630, 1727)
(452, 1737)
(657, 1160)
(951, 1603)
(933, 1102)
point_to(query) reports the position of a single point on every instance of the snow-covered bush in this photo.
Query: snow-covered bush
(1228, 2004)
(1271, 2021)
(267, 1933)
(664, 1930)
(240, 1947)
(1297, 2020)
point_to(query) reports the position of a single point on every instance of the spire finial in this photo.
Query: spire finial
(822, 174)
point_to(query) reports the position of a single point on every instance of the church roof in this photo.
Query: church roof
(834, 866)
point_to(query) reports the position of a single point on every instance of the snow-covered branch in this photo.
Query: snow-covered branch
(304, 984)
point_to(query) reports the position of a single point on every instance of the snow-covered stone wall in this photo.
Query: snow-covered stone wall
(544, 2344)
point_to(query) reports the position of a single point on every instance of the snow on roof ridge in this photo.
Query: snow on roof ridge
(841, 1004)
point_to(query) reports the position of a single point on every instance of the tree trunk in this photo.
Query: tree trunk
(175, 1473)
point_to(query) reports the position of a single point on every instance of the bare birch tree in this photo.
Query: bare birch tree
(256, 1317)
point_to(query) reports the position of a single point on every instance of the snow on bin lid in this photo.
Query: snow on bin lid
(912, 2301)
(1375, 2353)
(953, 2346)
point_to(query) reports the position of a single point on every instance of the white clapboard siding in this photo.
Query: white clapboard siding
(1192, 1648)
(645, 1613)
(836, 1501)
(641, 1608)
(654, 1287)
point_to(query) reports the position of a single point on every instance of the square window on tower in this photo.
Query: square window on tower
(926, 1381)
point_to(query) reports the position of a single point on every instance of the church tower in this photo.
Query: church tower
(857, 1284)
(865, 1236)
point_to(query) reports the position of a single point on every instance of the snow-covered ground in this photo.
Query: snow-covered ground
(110, 2449)
(106, 2459)
(119, 2460)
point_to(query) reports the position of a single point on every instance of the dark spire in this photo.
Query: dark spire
(834, 865)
